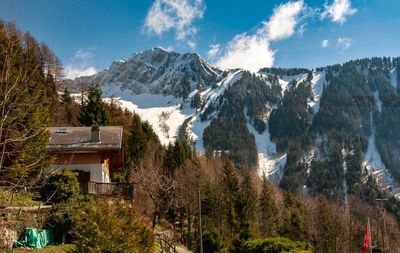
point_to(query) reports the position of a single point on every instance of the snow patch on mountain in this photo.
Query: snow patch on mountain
(270, 163)
(210, 95)
(376, 168)
(195, 132)
(378, 101)
(317, 87)
(284, 81)
(163, 113)
(393, 79)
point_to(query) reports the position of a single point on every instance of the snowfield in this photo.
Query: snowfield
(376, 168)
(317, 87)
(163, 113)
(393, 79)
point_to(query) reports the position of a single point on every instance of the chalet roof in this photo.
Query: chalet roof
(80, 139)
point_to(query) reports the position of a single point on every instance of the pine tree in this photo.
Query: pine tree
(328, 228)
(268, 211)
(293, 225)
(247, 205)
(230, 190)
(93, 109)
(66, 99)
(24, 109)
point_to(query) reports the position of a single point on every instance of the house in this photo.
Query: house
(91, 151)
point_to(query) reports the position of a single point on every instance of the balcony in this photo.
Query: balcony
(108, 189)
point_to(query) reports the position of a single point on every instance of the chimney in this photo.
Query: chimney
(95, 133)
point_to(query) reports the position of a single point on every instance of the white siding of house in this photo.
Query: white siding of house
(97, 173)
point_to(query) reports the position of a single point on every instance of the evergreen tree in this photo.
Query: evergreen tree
(247, 205)
(268, 211)
(93, 109)
(24, 109)
(230, 190)
(293, 225)
(196, 101)
(328, 229)
(66, 99)
(140, 136)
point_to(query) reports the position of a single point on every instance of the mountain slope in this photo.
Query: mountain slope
(282, 121)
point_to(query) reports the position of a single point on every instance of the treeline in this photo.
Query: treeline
(29, 71)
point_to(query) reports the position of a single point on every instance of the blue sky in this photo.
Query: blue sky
(88, 35)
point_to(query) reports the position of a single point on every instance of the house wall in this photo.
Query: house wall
(97, 171)
(97, 163)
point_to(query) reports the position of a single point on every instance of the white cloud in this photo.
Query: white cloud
(72, 72)
(344, 43)
(325, 43)
(80, 64)
(83, 55)
(191, 44)
(283, 21)
(252, 51)
(214, 50)
(177, 15)
(249, 52)
(338, 11)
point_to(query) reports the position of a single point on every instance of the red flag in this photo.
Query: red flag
(366, 242)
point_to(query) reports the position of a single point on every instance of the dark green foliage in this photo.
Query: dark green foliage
(212, 241)
(231, 135)
(272, 245)
(60, 186)
(328, 228)
(387, 137)
(293, 224)
(66, 100)
(182, 135)
(103, 227)
(26, 96)
(228, 132)
(230, 197)
(62, 217)
(140, 135)
(290, 121)
(326, 177)
(354, 171)
(285, 71)
(93, 109)
(247, 204)
(175, 156)
(294, 176)
(196, 101)
(268, 211)
(345, 105)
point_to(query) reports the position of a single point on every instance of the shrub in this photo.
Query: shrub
(272, 245)
(104, 227)
(60, 186)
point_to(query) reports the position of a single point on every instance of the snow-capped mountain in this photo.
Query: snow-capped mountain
(158, 71)
(183, 96)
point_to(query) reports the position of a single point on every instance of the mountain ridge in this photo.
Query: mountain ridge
(259, 118)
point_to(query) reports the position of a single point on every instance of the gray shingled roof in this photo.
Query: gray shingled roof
(79, 139)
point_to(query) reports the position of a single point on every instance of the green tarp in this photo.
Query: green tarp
(35, 238)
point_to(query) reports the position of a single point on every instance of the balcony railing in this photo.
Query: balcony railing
(108, 189)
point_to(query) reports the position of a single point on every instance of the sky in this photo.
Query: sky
(88, 35)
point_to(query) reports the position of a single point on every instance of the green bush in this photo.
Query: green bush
(104, 227)
(63, 216)
(272, 245)
(60, 186)
(212, 242)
